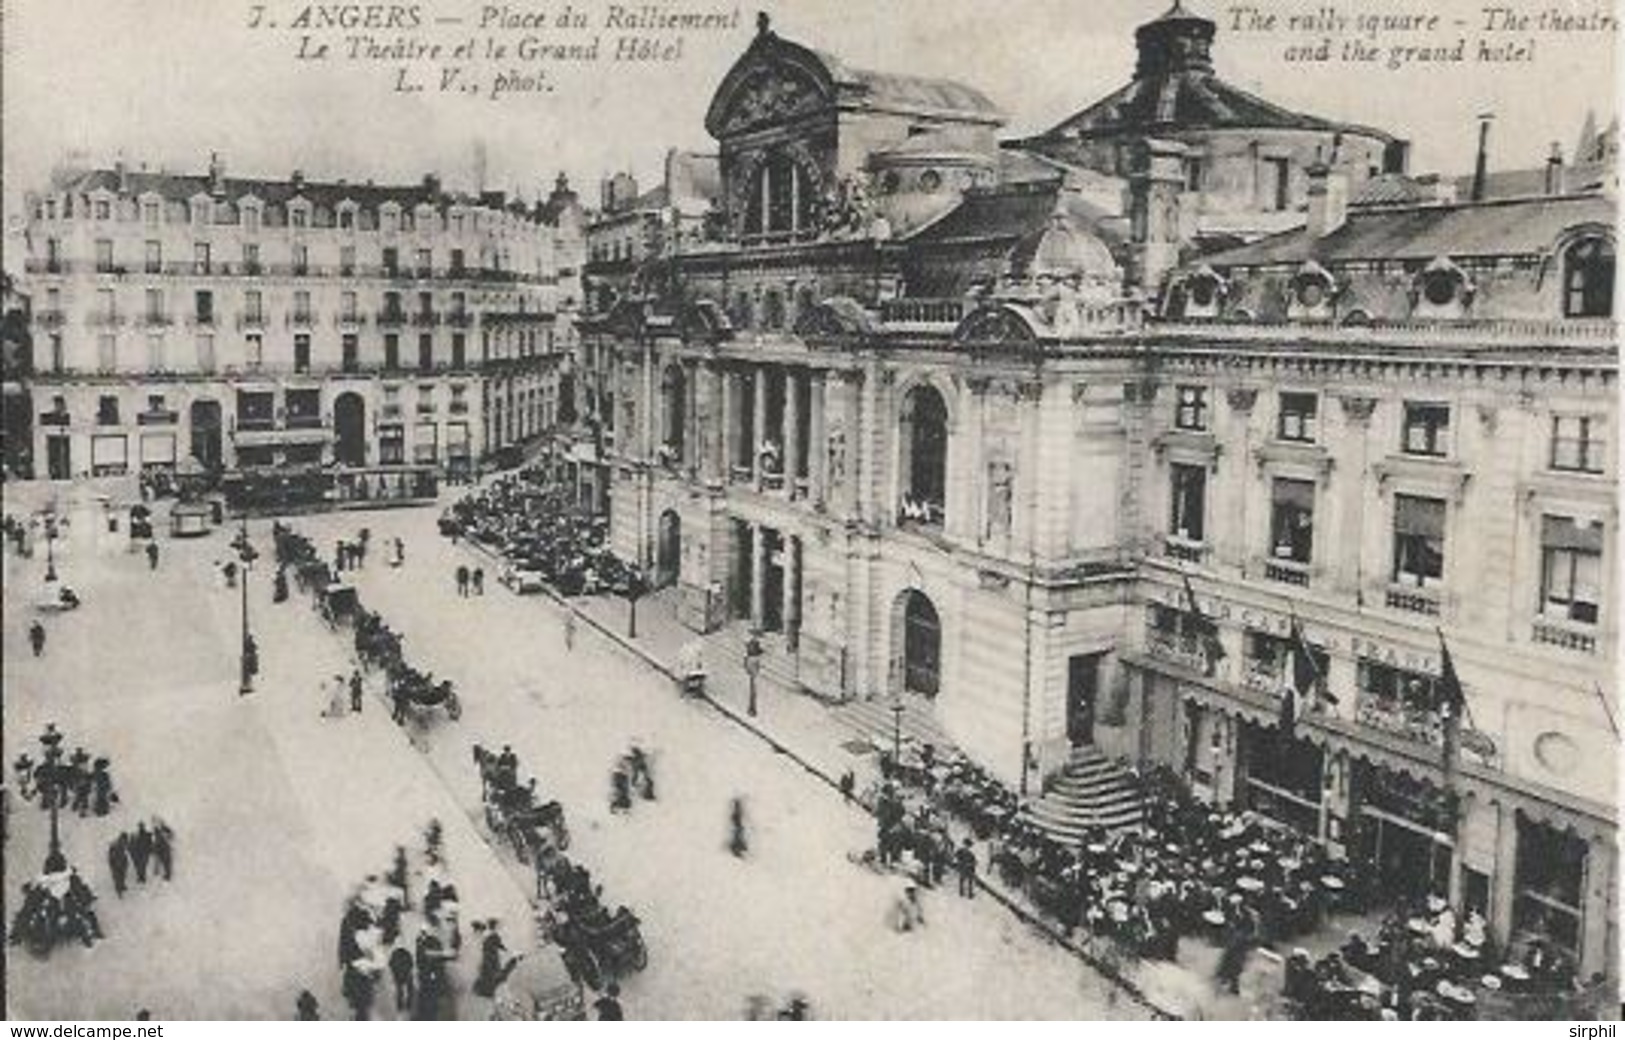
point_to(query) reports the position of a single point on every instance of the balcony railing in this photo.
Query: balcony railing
(1289, 572)
(922, 313)
(162, 417)
(155, 320)
(255, 423)
(204, 321)
(458, 408)
(301, 319)
(1264, 676)
(392, 318)
(1414, 600)
(1566, 636)
(50, 319)
(459, 319)
(251, 321)
(1183, 650)
(54, 419)
(425, 319)
(106, 319)
(1480, 335)
(1392, 715)
(304, 422)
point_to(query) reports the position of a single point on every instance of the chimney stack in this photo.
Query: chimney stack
(1554, 170)
(1481, 169)
(217, 174)
(431, 185)
(1155, 183)
(122, 173)
(1328, 199)
(297, 181)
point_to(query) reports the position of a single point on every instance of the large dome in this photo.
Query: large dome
(1064, 250)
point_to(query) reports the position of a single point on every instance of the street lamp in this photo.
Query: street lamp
(636, 586)
(250, 662)
(753, 666)
(50, 547)
(51, 741)
(897, 730)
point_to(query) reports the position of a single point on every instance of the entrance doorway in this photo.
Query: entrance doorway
(772, 581)
(1082, 689)
(58, 458)
(921, 642)
(206, 440)
(669, 549)
(743, 548)
(350, 429)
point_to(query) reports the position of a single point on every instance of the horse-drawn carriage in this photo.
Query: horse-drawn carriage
(338, 603)
(601, 946)
(412, 690)
(535, 829)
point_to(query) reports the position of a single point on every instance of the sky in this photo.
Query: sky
(166, 82)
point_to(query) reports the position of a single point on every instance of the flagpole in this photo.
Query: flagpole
(1608, 709)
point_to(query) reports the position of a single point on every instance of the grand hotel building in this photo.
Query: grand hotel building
(952, 423)
(276, 325)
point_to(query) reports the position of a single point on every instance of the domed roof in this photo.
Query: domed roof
(1065, 249)
(934, 144)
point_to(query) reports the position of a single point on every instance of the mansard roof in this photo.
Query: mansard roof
(777, 79)
(1500, 227)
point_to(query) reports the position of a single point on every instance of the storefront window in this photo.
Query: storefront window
(1551, 868)
(1399, 701)
(1285, 778)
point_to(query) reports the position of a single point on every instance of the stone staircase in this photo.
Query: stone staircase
(1091, 791)
(726, 649)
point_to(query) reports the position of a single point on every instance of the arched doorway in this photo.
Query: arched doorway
(917, 644)
(924, 456)
(206, 440)
(350, 429)
(669, 549)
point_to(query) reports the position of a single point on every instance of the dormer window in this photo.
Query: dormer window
(251, 216)
(298, 214)
(1441, 290)
(1588, 279)
(1312, 292)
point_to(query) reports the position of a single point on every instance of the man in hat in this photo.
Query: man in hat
(118, 862)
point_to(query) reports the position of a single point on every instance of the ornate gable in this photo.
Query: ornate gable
(774, 82)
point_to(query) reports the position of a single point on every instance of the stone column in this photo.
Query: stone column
(1349, 570)
(650, 393)
(791, 612)
(818, 435)
(1503, 884)
(759, 427)
(792, 431)
(730, 423)
(758, 571)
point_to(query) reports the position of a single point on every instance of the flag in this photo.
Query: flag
(1306, 672)
(1204, 625)
(1452, 703)
(1289, 709)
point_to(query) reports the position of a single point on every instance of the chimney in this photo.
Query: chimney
(431, 185)
(121, 172)
(1481, 169)
(297, 181)
(1328, 199)
(1554, 170)
(217, 174)
(1155, 182)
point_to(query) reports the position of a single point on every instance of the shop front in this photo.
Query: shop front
(1283, 777)
(1405, 828)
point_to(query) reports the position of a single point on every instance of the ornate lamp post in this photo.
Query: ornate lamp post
(753, 667)
(51, 761)
(250, 663)
(636, 587)
(897, 730)
(50, 547)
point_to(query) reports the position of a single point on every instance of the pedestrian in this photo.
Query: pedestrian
(620, 789)
(569, 629)
(355, 691)
(36, 638)
(400, 552)
(118, 861)
(401, 970)
(102, 784)
(608, 1006)
(163, 848)
(849, 783)
(307, 1008)
(737, 843)
(965, 861)
(23, 768)
(141, 851)
(462, 580)
(152, 555)
(493, 971)
(358, 990)
(479, 581)
(908, 914)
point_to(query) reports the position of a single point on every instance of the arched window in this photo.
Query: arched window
(922, 645)
(924, 436)
(781, 199)
(1588, 279)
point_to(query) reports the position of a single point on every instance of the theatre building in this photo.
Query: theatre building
(1087, 480)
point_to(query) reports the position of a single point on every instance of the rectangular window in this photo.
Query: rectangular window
(1190, 408)
(256, 410)
(155, 306)
(347, 261)
(392, 261)
(1193, 174)
(253, 307)
(104, 255)
(57, 361)
(352, 352)
(204, 301)
(457, 258)
(301, 260)
(1280, 183)
(459, 350)
(1418, 540)
(1571, 569)
(106, 352)
(155, 257)
(107, 410)
(301, 352)
(255, 350)
(1292, 520)
(425, 304)
(106, 309)
(155, 352)
(392, 306)
(205, 353)
(301, 306)
(1427, 429)
(347, 306)
(1577, 443)
(297, 217)
(425, 263)
(392, 350)
(1297, 420)
(200, 258)
(426, 352)
(1188, 506)
(346, 219)
(392, 445)
(104, 209)
(53, 255)
(304, 409)
(251, 218)
(149, 213)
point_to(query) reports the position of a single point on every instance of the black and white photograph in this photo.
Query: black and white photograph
(810, 510)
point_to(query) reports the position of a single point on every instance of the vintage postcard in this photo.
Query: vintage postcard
(811, 510)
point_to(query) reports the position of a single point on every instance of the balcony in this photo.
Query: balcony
(425, 319)
(45, 266)
(1565, 635)
(739, 474)
(304, 422)
(1182, 650)
(251, 321)
(1393, 715)
(1288, 572)
(255, 423)
(1263, 676)
(1182, 548)
(391, 319)
(106, 319)
(252, 269)
(160, 417)
(50, 319)
(202, 321)
(351, 320)
(301, 320)
(389, 411)
(459, 319)
(155, 320)
(458, 407)
(54, 419)
(1413, 599)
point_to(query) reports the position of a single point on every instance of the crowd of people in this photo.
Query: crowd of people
(535, 525)
(80, 783)
(135, 851)
(57, 906)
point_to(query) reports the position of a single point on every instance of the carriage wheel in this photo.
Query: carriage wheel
(454, 707)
